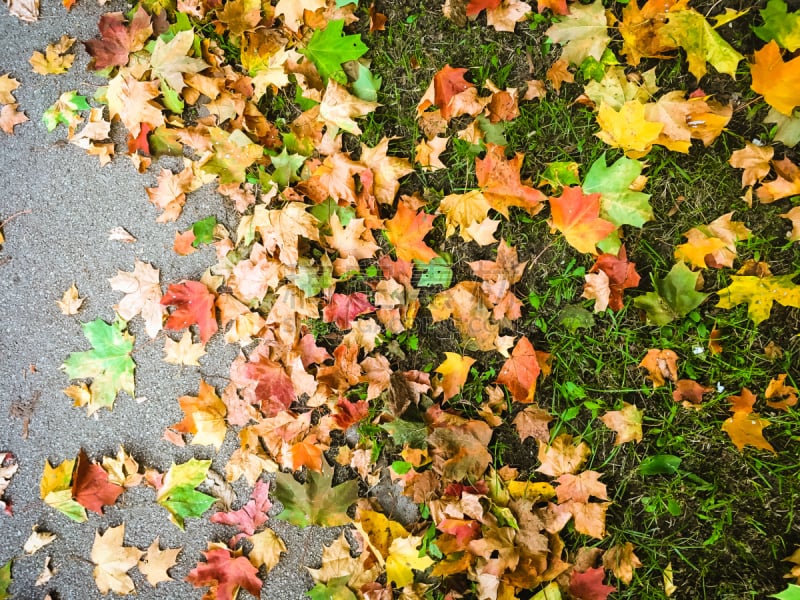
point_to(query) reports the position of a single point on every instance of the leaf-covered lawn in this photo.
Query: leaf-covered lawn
(531, 268)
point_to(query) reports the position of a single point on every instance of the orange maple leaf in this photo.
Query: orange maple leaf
(520, 371)
(454, 371)
(776, 80)
(500, 180)
(406, 232)
(577, 216)
(745, 427)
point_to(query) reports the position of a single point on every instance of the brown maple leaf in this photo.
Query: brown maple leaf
(91, 487)
(661, 365)
(118, 41)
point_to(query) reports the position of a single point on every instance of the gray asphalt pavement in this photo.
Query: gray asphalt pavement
(71, 203)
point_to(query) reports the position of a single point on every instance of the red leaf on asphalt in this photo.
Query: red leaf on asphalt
(520, 371)
(225, 574)
(194, 306)
(117, 40)
(90, 485)
(252, 515)
(589, 585)
(342, 309)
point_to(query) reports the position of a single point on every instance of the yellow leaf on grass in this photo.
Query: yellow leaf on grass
(626, 423)
(759, 293)
(627, 128)
(454, 371)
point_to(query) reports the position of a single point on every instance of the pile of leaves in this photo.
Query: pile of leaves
(328, 242)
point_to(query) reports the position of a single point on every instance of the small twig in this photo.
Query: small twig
(14, 216)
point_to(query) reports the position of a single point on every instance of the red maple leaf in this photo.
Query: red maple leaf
(225, 574)
(447, 83)
(140, 142)
(476, 6)
(342, 309)
(266, 383)
(559, 7)
(520, 371)
(118, 41)
(90, 485)
(194, 305)
(349, 413)
(621, 275)
(252, 515)
(589, 585)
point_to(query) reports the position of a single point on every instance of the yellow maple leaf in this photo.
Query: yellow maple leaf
(454, 371)
(56, 59)
(628, 128)
(112, 561)
(464, 210)
(204, 417)
(759, 293)
(403, 559)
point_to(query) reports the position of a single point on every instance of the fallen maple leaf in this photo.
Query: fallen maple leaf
(754, 160)
(619, 275)
(675, 296)
(628, 128)
(661, 365)
(56, 60)
(112, 561)
(691, 31)
(91, 487)
(118, 41)
(589, 585)
(794, 216)
(184, 351)
(558, 73)
(500, 183)
(225, 573)
(252, 515)
(204, 417)
(745, 427)
(779, 395)
(776, 80)
(576, 216)
(70, 302)
(406, 232)
(445, 86)
(785, 184)
(156, 563)
(343, 309)
(386, 170)
(713, 245)
(690, 393)
(317, 502)
(142, 295)
(404, 558)
(10, 118)
(339, 107)
(466, 303)
(520, 371)
(582, 32)
(759, 293)
(169, 61)
(194, 305)
(454, 371)
(177, 494)
(562, 456)
(626, 423)
(131, 101)
(109, 363)
(621, 561)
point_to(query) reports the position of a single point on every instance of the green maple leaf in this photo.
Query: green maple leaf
(108, 364)
(790, 593)
(178, 495)
(203, 231)
(674, 296)
(65, 110)
(759, 293)
(780, 25)
(329, 48)
(436, 272)
(316, 502)
(618, 203)
(335, 589)
(5, 580)
(691, 31)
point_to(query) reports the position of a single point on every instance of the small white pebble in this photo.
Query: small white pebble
(758, 142)
(698, 350)
(720, 388)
